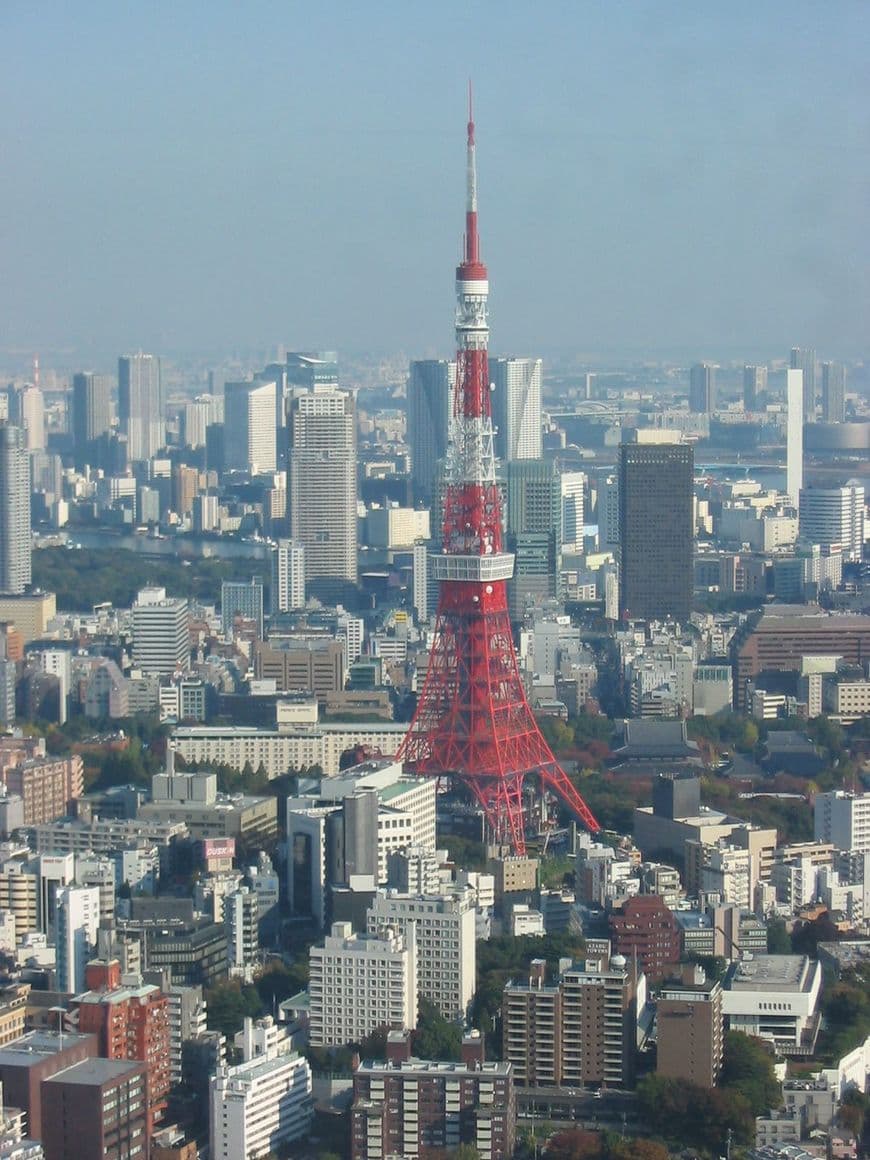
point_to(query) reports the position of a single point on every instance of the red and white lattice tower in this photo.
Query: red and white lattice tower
(473, 721)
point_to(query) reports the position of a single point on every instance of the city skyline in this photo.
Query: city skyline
(649, 149)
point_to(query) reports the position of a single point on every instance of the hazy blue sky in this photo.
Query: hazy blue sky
(205, 176)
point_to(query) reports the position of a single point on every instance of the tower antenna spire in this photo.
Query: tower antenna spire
(473, 721)
(472, 244)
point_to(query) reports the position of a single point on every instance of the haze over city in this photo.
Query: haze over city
(656, 180)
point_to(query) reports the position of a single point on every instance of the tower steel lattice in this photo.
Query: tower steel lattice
(473, 721)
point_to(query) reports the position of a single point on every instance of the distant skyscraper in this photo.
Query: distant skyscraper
(311, 369)
(27, 411)
(250, 435)
(244, 599)
(516, 407)
(198, 416)
(804, 359)
(754, 386)
(91, 416)
(794, 434)
(834, 515)
(702, 389)
(573, 484)
(607, 505)
(833, 392)
(14, 510)
(322, 488)
(140, 405)
(288, 576)
(425, 586)
(655, 528)
(534, 531)
(430, 391)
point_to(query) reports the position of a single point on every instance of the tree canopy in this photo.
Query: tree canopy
(701, 1117)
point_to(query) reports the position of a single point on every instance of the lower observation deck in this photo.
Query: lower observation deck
(477, 569)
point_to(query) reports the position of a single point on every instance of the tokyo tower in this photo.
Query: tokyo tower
(473, 721)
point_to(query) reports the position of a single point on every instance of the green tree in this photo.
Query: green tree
(436, 1037)
(688, 1114)
(635, 1150)
(228, 1005)
(574, 1144)
(747, 1070)
(852, 1111)
(778, 941)
(846, 1015)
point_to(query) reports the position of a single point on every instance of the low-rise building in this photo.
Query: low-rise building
(775, 997)
(279, 751)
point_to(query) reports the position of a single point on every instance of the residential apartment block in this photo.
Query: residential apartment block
(445, 937)
(359, 983)
(417, 1108)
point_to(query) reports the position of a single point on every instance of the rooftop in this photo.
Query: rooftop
(96, 1072)
(771, 973)
(789, 739)
(35, 1046)
(663, 739)
(777, 617)
(435, 1067)
(397, 789)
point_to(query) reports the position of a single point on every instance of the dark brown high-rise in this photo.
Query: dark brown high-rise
(655, 530)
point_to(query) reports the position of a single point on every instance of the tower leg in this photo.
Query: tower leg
(501, 800)
(554, 778)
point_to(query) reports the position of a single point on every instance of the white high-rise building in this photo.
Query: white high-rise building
(843, 819)
(76, 924)
(30, 416)
(516, 407)
(250, 432)
(425, 592)
(728, 873)
(835, 515)
(430, 398)
(351, 631)
(361, 982)
(573, 489)
(161, 632)
(322, 487)
(140, 405)
(794, 435)
(198, 416)
(241, 913)
(446, 948)
(288, 576)
(263, 1103)
(15, 573)
(58, 662)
